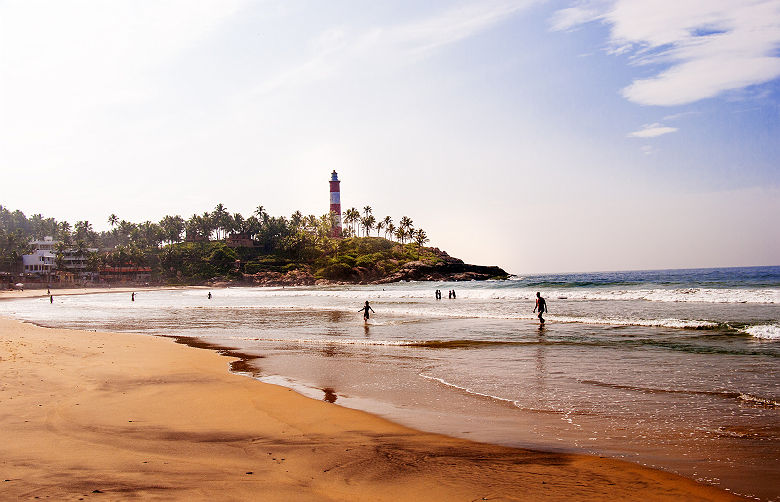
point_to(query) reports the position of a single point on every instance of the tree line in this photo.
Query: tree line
(298, 236)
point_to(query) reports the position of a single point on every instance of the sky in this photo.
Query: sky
(535, 135)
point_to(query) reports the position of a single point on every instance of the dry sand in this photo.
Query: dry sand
(105, 416)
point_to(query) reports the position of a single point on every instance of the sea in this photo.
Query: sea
(673, 369)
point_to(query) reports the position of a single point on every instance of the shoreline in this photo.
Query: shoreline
(167, 420)
(41, 292)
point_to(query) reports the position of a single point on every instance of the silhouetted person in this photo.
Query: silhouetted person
(209, 295)
(541, 305)
(453, 294)
(132, 297)
(365, 311)
(51, 298)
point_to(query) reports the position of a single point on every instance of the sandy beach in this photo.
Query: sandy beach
(120, 416)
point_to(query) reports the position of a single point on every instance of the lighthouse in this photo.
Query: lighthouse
(335, 202)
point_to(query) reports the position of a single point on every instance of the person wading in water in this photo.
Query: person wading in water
(365, 311)
(541, 305)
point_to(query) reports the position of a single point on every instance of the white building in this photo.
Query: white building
(41, 261)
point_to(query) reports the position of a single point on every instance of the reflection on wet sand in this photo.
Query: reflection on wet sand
(330, 395)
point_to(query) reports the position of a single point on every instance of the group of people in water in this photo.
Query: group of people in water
(450, 294)
(540, 306)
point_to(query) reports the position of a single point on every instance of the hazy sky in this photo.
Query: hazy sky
(535, 135)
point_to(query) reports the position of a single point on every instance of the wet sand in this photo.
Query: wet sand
(120, 416)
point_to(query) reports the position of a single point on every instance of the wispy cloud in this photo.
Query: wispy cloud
(386, 47)
(652, 131)
(707, 47)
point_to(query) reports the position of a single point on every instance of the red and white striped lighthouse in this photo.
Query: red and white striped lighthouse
(335, 202)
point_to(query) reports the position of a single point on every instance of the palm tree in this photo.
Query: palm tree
(379, 226)
(239, 224)
(296, 220)
(351, 216)
(368, 223)
(220, 217)
(113, 220)
(400, 233)
(387, 222)
(390, 229)
(421, 238)
(65, 231)
(407, 224)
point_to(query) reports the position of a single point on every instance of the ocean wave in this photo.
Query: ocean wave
(574, 293)
(763, 331)
(468, 390)
(759, 401)
(660, 323)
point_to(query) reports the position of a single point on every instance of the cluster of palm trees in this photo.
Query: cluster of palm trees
(366, 222)
(298, 236)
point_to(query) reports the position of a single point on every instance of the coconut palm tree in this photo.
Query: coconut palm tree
(400, 234)
(408, 225)
(221, 219)
(368, 223)
(387, 222)
(351, 216)
(421, 238)
(390, 229)
(379, 226)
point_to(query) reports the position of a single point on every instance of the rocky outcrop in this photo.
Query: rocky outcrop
(296, 277)
(453, 270)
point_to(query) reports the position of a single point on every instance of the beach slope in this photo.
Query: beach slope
(119, 416)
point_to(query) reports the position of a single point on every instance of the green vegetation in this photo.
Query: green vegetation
(228, 246)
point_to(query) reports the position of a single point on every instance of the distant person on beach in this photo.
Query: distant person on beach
(48, 291)
(132, 297)
(541, 304)
(209, 295)
(365, 311)
(453, 294)
(51, 298)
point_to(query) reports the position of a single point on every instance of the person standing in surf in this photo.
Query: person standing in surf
(541, 304)
(365, 311)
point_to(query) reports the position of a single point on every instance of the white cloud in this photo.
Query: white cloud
(707, 46)
(652, 131)
(382, 47)
(571, 17)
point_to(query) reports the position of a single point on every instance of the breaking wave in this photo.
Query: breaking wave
(425, 291)
(763, 331)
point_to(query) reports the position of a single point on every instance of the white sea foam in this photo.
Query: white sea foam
(760, 401)
(763, 331)
(468, 390)
(661, 323)
(704, 295)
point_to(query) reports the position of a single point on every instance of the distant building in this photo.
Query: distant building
(191, 236)
(41, 261)
(335, 202)
(125, 274)
(240, 240)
